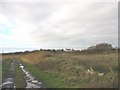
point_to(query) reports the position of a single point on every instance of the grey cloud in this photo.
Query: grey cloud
(67, 25)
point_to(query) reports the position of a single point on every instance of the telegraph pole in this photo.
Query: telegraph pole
(2, 51)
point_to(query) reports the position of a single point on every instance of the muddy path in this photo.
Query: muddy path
(30, 80)
(9, 81)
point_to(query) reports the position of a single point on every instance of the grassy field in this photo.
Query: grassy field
(71, 69)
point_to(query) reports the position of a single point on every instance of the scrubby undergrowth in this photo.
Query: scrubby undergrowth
(74, 69)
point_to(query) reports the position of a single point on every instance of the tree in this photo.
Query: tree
(101, 47)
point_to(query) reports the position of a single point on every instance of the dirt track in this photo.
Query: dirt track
(9, 81)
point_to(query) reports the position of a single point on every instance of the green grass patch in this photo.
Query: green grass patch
(50, 80)
(19, 77)
(5, 67)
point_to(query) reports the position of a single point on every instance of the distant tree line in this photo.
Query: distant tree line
(97, 48)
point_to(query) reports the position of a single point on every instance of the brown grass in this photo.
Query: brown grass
(72, 66)
(10, 57)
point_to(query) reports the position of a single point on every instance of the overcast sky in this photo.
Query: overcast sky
(52, 24)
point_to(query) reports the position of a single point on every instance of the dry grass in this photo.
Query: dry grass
(72, 67)
(10, 57)
(35, 57)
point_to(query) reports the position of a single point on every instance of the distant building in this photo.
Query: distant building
(91, 48)
(68, 50)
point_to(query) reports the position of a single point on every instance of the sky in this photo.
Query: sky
(74, 24)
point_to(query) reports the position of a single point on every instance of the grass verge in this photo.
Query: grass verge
(19, 79)
(50, 80)
(5, 67)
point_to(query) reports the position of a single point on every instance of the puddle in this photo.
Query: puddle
(9, 83)
(30, 85)
(30, 80)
